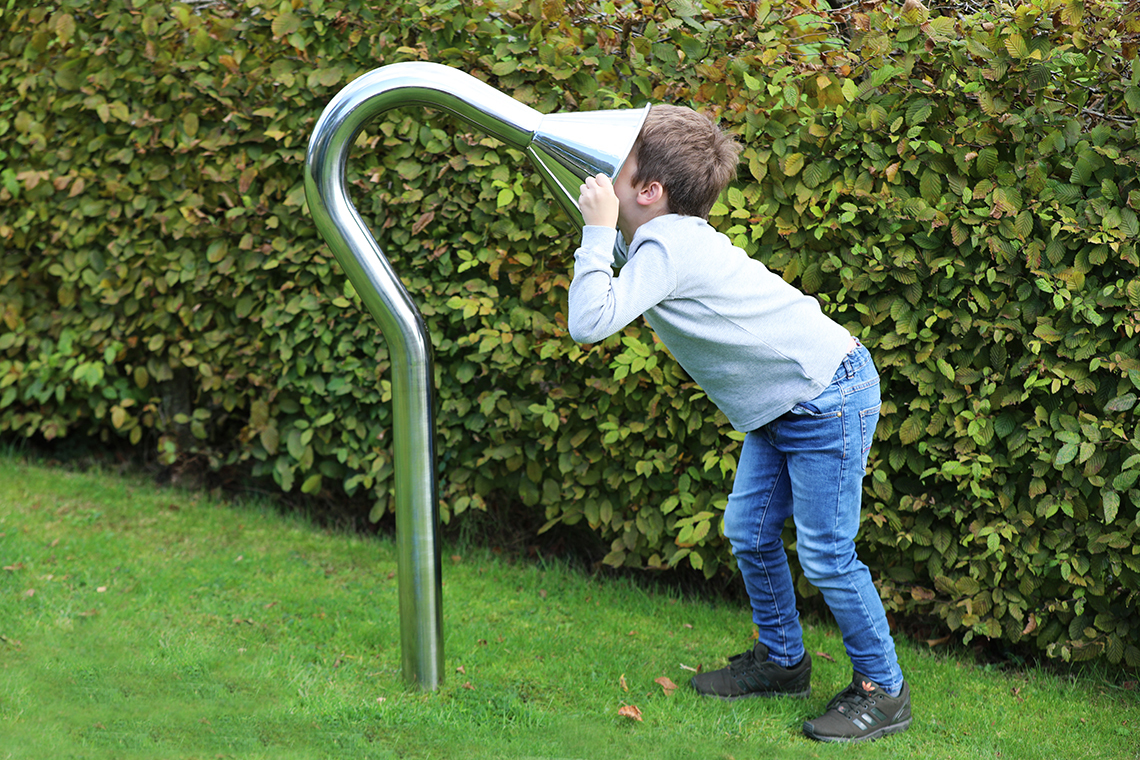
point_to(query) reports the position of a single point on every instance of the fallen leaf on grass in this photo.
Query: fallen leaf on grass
(624, 685)
(15, 567)
(666, 685)
(461, 669)
(630, 711)
(340, 658)
(694, 670)
(468, 686)
(825, 656)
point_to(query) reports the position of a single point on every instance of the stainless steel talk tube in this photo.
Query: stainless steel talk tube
(558, 146)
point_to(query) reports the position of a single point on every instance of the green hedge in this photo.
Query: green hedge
(961, 192)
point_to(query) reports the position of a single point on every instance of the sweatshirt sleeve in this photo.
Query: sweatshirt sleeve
(600, 302)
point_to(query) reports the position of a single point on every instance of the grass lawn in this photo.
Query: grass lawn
(140, 622)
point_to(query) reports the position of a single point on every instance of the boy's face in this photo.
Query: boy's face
(629, 211)
(624, 188)
(638, 203)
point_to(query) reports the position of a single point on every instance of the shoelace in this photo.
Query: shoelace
(853, 703)
(741, 662)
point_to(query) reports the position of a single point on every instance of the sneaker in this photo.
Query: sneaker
(861, 712)
(750, 674)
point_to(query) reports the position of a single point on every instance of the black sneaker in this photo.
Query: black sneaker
(750, 674)
(861, 712)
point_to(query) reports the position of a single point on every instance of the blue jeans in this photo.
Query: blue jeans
(809, 465)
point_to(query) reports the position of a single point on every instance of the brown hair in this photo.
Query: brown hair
(688, 154)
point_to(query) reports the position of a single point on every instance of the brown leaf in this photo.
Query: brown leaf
(666, 685)
(825, 656)
(468, 686)
(422, 222)
(630, 711)
(1031, 626)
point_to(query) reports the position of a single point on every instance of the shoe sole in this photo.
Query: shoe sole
(894, 728)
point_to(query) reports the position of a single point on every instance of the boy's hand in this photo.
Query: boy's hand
(598, 203)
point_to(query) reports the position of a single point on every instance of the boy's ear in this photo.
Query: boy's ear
(650, 193)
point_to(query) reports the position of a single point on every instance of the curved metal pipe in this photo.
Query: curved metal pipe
(417, 503)
(559, 148)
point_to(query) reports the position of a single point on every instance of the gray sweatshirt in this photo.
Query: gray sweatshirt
(755, 344)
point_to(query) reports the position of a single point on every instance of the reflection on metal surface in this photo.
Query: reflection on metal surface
(565, 148)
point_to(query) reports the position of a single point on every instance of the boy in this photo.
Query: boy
(804, 391)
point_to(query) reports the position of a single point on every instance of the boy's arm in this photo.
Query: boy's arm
(601, 303)
(599, 205)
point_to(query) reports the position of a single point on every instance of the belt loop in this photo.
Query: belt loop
(849, 359)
